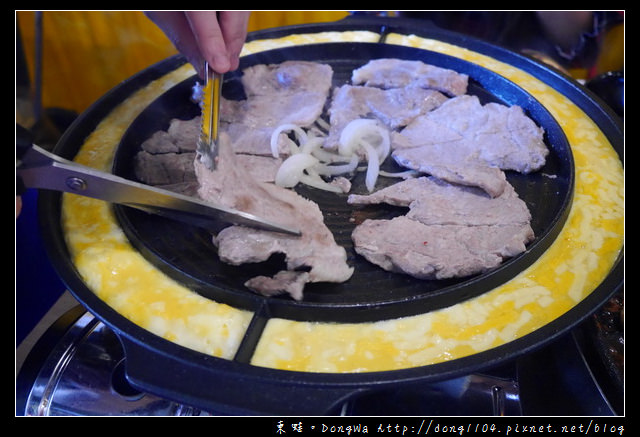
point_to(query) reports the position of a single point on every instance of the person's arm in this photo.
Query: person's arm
(214, 36)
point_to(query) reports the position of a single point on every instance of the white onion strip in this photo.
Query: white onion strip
(401, 174)
(335, 170)
(301, 136)
(373, 166)
(291, 170)
(317, 182)
(309, 162)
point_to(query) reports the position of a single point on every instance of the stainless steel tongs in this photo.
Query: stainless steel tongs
(207, 147)
(38, 168)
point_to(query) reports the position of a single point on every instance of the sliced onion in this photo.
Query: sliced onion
(318, 182)
(330, 157)
(311, 145)
(364, 129)
(352, 133)
(334, 170)
(373, 166)
(292, 169)
(309, 161)
(300, 134)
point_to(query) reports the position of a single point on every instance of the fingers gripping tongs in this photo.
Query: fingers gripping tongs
(38, 168)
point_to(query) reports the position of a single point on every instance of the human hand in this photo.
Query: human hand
(213, 36)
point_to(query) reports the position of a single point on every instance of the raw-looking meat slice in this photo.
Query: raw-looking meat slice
(398, 73)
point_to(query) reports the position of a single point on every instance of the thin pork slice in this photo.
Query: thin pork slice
(287, 77)
(315, 252)
(503, 136)
(497, 135)
(465, 142)
(293, 92)
(395, 108)
(449, 231)
(424, 251)
(166, 157)
(435, 202)
(453, 162)
(398, 73)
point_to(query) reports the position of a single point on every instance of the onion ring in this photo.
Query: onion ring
(309, 162)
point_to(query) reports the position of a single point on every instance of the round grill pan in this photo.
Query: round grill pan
(188, 255)
(235, 386)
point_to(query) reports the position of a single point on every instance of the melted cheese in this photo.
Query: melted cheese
(572, 267)
(581, 257)
(309, 38)
(119, 274)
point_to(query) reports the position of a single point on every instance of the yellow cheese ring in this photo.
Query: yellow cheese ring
(580, 258)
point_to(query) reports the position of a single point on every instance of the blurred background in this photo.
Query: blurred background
(86, 53)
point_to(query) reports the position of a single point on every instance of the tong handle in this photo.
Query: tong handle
(207, 146)
(215, 119)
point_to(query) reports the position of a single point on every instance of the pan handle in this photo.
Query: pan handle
(220, 386)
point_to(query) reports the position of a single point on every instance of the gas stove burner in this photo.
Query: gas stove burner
(77, 368)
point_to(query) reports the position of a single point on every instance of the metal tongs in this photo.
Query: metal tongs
(207, 148)
(38, 168)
